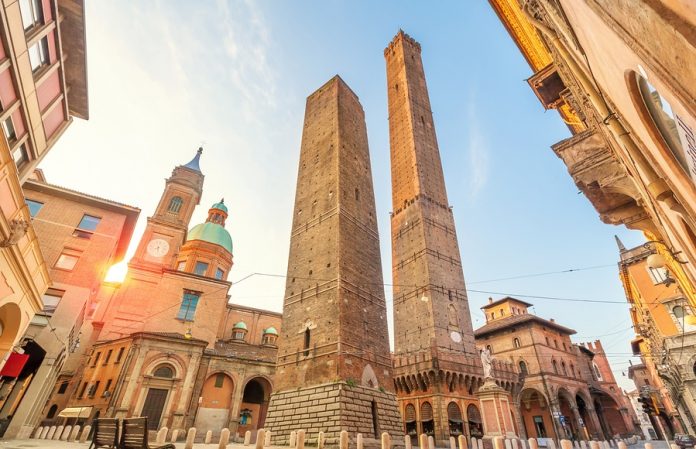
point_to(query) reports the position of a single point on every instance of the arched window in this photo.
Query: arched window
(572, 369)
(563, 367)
(52, 411)
(523, 368)
(175, 204)
(502, 312)
(516, 342)
(164, 371)
(547, 341)
(596, 371)
(694, 368)
(555, 366)
(307, 341)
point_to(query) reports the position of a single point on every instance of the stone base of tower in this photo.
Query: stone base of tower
(331, 408)
(496, 412)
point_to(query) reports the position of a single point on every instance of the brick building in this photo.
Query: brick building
(437, 368)
(41, 89)
(81, 236)
(334, 369)
(568, 390)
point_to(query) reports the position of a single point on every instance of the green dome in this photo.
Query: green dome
(240, 325)
(271, 330)
(211, 232)
(220, 205)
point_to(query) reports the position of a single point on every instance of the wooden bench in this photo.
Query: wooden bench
(105, 433)
(134, 435)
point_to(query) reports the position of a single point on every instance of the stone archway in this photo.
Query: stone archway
(252, 412)
(609, 415)
(11, 321)
(473, 417)
(216, 401)
(585, 412)
(569, 425)
(536, 415)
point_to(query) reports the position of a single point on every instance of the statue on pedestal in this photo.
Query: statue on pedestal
(487, 362)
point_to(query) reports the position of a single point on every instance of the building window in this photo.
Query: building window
(88, 224)
(181, 265)
(188, 306)
(19, 155)
(523, 368)
(563, 367)
(219, 273)
(82, 390)
(67, 259)
(555, 343)
(119, 355)
(565, 348)
(107, 391)
(9, 130)
(201, 268)
(596, 372)
(502, 312)
(93, 389)
(38, 54)
(96, 359)
(51, 299)
(657, 275)
(34, 207)
(238, 334)
(307, 341)
(175, 204)
(52, 411)
(31, 12)
(219, 380)
(164, 371)
(547, 341)
(572, 369)
(516, 342)
(108, 356)
(63, 387)
(555, 366)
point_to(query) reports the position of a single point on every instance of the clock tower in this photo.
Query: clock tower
(166, 228)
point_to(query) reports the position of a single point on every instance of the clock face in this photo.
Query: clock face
(158, 247)
(456, 337)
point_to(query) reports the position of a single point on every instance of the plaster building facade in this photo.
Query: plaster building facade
(41, 89)
(568, 390)
(437, 369)
(334, 368)
(165, 343)
(643, 421)
(620, 74)
(81, 236)
(665, 337)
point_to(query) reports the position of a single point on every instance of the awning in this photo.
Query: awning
(75, 412)
(14, 365)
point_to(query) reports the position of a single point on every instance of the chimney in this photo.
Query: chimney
(552, 320)
(490, 300)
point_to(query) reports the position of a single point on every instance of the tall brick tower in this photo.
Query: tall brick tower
(437, 368)
(334, 368)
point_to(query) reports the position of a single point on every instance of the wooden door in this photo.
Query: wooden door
(153, 407)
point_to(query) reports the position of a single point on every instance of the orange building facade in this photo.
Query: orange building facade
(568, 389)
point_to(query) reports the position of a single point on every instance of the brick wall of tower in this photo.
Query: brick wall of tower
(430, 301)
(334, 284)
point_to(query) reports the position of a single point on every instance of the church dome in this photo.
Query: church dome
(212, 233)
(220, 206)
(271, 330)
(240, 325)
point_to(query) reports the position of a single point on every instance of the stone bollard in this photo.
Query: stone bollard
(533, 444)
(473, 443)
(508, 444)
(407, 442)
(162, 435)
(461, 439)
(621, 444)
(480, 443)
(267, 439)
(498, 443)
(66, 433)
(515, 444)
(175, 435)
(224, 438)
(359, 441)
(576, 445)
(247, 438)
(320, 440)
(260, 438)
(551, 445)
(612, 443)
(423, 441)
(75, 434)
(431, 442)
(583, 445)
(51, 431)
(300, 439)
(648, 446)
(208, 437)
(56, 435)
(594, 444)
(605, 443)
(37, 432)
(566, 444)
(293, 438)
(453, 443)
(386, 440)
(190, 437)
(523, 443)
(343, 440)
(85, 433)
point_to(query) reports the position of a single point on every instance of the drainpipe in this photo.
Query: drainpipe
(656, 186)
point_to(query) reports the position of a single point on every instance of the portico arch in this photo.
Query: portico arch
(11, 320)
(252, 412)
(569, 425)
(216, 401)
(536, 415)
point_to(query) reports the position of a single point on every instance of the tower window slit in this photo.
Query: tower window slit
(307, 337)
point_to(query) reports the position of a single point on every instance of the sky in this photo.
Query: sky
(166, 77)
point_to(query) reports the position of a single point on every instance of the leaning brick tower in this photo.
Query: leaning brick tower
(437, 369)
(334, 369)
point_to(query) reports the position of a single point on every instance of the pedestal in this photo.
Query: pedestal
(496, 412)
